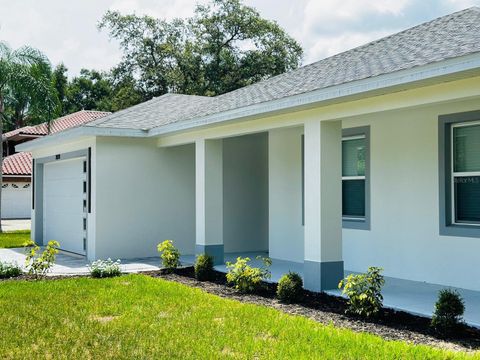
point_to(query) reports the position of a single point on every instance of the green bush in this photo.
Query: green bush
(40, 264)
(448, 313)
(245, 278)
(364, 292)
(204, 268)
(169, 254)
(290, 288)
(9, 270)
(105, 268)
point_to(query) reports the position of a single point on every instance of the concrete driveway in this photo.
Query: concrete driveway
(13, 225)
(68, 264)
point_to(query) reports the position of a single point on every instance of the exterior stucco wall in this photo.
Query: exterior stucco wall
(245, 193)
(285, 194)
(145, 195)
(404, 237)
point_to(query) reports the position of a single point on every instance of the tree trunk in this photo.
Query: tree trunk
(1, 154)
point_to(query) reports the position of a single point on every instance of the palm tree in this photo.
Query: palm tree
(24, 83)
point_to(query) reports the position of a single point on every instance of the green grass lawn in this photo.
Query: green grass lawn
(14, 238)
(139, 317)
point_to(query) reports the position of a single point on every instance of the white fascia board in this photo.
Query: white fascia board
(17, 176)
(83, 131)
(395, 79)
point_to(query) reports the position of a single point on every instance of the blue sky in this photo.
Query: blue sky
(66, 30)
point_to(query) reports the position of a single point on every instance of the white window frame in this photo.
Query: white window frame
(455, 174)
(347, 178)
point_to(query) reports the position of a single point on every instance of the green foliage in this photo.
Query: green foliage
(105, 268)
(448, 313)
(169, 254)
(224, 46)
(245, 278)
(364, 292)
(204, 268)
(27, 95)
(40, 264)
(290, 288)
(9, 270)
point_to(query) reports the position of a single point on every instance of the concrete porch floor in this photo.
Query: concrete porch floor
(411, 296)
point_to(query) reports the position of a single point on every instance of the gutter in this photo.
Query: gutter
(82, 131)
(395, 79)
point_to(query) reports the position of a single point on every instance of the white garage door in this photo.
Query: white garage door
(16, 200)
(64, 211)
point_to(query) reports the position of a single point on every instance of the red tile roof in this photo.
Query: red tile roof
(19, 164)
(60, 124)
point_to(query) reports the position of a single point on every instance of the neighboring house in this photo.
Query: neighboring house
(367, 158)
(17, 167)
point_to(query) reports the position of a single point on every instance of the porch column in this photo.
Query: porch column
(323, 264)
(209, 198)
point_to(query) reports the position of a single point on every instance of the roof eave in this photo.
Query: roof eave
(395, 80)
(74, 133)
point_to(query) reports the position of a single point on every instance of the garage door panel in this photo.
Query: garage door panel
(16, 201)
(64, 212)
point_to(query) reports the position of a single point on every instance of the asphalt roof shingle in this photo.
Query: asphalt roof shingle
(447, 37)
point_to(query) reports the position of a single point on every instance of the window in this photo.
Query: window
(465, 172)
(355, 182)
(459, 174)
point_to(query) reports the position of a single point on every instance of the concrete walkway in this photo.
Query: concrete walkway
(68, 264)
(13, 225)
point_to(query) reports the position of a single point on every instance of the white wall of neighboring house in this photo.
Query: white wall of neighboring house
(16, 200)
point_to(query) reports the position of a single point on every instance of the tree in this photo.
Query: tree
(60, 83)
(87, 91)
(24, 82)
(224, 46)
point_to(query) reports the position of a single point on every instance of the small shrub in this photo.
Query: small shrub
(169, 254)
(204, 268)
(105, 268)
(290, 288)
(9, 270)
(364, 292)
(40, 264)
(245, 278)
(448, 313)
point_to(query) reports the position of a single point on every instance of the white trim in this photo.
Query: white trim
(69, 134)
(16, 176)
(353, 137)
(346, 178)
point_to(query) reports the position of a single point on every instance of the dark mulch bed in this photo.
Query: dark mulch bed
(323, 308)
(327, 309)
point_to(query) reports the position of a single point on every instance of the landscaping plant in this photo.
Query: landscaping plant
(169, 254)
(364, 292)
(9, 270)
(204, 268)
(448, 313)
(40, 264)
(105, 268)
(290, 287)
(245, 278)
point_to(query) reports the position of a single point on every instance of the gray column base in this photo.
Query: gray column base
(216, 251)
(320, 276)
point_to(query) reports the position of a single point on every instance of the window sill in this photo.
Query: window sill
(355, 223)
(460, 230)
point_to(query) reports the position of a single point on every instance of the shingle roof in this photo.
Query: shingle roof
(447, 37)
(17, 164)
(66, 122)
